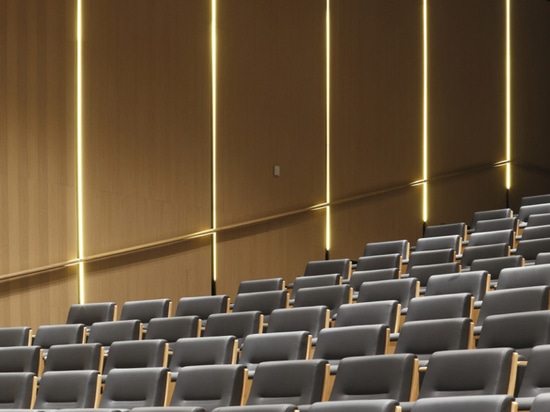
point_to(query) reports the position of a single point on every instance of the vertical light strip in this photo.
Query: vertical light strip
(80, 213)
(213, 35)
(327, 125)
(425, 115)
(508, 98)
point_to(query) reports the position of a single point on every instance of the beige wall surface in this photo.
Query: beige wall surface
(152, 117)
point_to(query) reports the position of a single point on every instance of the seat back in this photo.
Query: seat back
(275, 346)
(457, 305)
(209, 386)
(21, 359)
(309, 318)
(472, 253)
(373, 405)
(325, 267)
(265, 302)
(108, 332)
(78, 356)
(174, 328)
(536, 379)
(374, 262)
(15, 336)
(542, 258)
(376, 377)
(474, 282)
(401, 246)
(470, 372)
(513, 300)
(238, 324)
(541, 403)
(531, 209)
(88, 313)
(430, 257)
(521, 331)
(313, 281)
(360, 276)
(203, 351)
(131, 388)
(491, 238)
(261, 285)
(330, 296)
(439, 242)
(530, 248)
(298, 382)
(202, 306)
(539, 219)
(495, 265)
(335, 344)
(402, 290)
(424, 272)
(488, 215)
(48, 335)
(145, 310)
(384, 312)
(503, 223)
(136, 354)
(480, 403)
(425, 337)
(524, 276)
(18, 390)
(447, 229)
(68, 389)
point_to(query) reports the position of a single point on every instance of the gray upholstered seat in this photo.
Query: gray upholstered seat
(21, 359)
(430, 257)
(425, 337)
(535, 199)
(330, 296)
(492, 238)
(424, 272)
(145, 310)
(261, 285)
(78, 356)
(308, 318)
(391, 260)
(360, 276)
(402, 290)
(314, 281)
(535, 379)
(525, 211)
(542, 258)
(540, 403)
(68, 389)
(282, 407)
(263, 301)
(173, 328)
(488, 215)
(136, 354)
(262, 347)
(384, 312)
(474, 282)
(205, 386)
(512, 300)
(495, 265)
(519, 277)
(108, 332)
(446, 229)
(503, 223)
(401, 246)
(334, 344)
(376, 377)
(89, 313)
(521, 331)
(238, 324)
(15, 336)
(18, 389)
(202, 306)
(373, 405)
(48, 335)
(439, 242)
(539, 219)
(132, 388)
(472, 253)
(467, 373)
(478, 403)
(325, 267)
(298, 382)
(530, 248)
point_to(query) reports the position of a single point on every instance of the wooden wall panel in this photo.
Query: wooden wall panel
(270, 107)
(37, 134)
(466, 84)
(277, 248)
(457, 198)
(147, 121)
(43, 299)
(376, 95)
(391, 216)
(172, 271)
(530, 91)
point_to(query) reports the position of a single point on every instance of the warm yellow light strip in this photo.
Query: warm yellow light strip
(508, 98)
(425, 115)
(327, 125)
(213, 35)
(80, 212)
